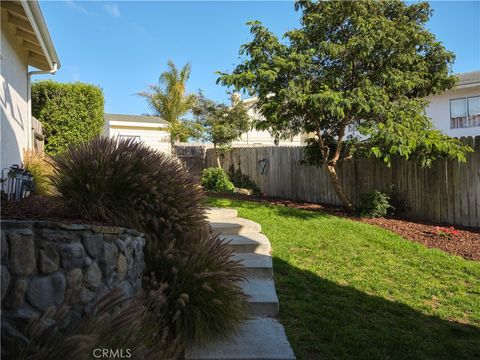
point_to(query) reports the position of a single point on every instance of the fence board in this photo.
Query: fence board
(448, 192)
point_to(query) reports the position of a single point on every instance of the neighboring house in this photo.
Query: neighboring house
(152, 130)
(262, 138)
(455, 112)
(25, 41)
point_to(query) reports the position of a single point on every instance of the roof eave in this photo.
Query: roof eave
(35, 16)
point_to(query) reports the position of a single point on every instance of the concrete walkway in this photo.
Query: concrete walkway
(261, 337)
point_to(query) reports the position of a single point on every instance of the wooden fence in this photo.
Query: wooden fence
(192, 157)
(447, 192)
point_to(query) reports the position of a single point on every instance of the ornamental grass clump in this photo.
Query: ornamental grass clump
(125, 327)
(125, 183)
(204, 299)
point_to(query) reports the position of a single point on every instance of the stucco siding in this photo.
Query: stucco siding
(439, 111)
(15, 131)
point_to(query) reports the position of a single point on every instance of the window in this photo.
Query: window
(130, 137)
(474, 111)
(465, 112)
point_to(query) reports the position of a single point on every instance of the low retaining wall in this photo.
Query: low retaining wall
(46, 264)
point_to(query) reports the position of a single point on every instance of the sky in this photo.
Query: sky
(123, 46)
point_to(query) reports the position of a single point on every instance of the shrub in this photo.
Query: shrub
(70, 112)
(216, 179)
(127, 184)
(203, 293)
(374, 204)
(243, 181)
(40, 166)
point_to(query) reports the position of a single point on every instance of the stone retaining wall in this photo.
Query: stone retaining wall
(47, 263)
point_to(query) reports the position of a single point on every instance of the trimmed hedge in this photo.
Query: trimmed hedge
(71, 113)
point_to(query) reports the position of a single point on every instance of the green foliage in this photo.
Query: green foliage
(70, 112)
(222, 124)
(170, 101)
(243, 181)
(125, 183)
(351, 62)
(375, 204)
(216, 179)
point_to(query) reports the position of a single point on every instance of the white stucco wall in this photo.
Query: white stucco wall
(157, 139)
(255, 137)
(439, 111)
(13, 97)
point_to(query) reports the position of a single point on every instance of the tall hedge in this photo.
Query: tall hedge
(70, 112)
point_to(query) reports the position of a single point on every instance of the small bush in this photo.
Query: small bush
(40, 166)
(243, 181)
(70, 112)
(216, 179)
(375, 204)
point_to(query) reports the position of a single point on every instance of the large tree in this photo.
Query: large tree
(221, 123)
(170, 101)
(363, 63)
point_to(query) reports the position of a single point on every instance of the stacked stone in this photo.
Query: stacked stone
(46, 264)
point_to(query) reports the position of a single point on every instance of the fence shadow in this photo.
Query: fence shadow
(325, 320)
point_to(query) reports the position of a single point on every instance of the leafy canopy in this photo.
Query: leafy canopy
(221, 123)
(170, 101)
(362, 63)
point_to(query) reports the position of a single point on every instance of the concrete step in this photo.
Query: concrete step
(249, 243)
(237, 226)
(221, 213)
(260, 338)
(263, 300)
(257, 265)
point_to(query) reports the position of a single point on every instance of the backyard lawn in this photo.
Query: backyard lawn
(350, 290)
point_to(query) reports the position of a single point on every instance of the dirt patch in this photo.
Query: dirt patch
(41, 208)
(465, 243)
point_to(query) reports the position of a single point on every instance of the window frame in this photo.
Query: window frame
(467, 113)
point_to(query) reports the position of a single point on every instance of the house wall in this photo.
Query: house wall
(13, 97)
(439, 111)
(255, 137)
(157, 139)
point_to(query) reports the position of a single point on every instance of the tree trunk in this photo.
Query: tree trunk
(217, 155)
(338, 187)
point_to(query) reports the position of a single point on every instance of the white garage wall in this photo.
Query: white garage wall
(155, 138)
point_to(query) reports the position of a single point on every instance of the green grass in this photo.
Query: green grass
(349, 290)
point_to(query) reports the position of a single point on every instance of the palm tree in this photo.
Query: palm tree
(170, 101)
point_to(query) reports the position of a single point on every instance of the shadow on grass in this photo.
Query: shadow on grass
(325, 320)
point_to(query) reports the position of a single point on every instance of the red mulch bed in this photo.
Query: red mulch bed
(465, 244)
